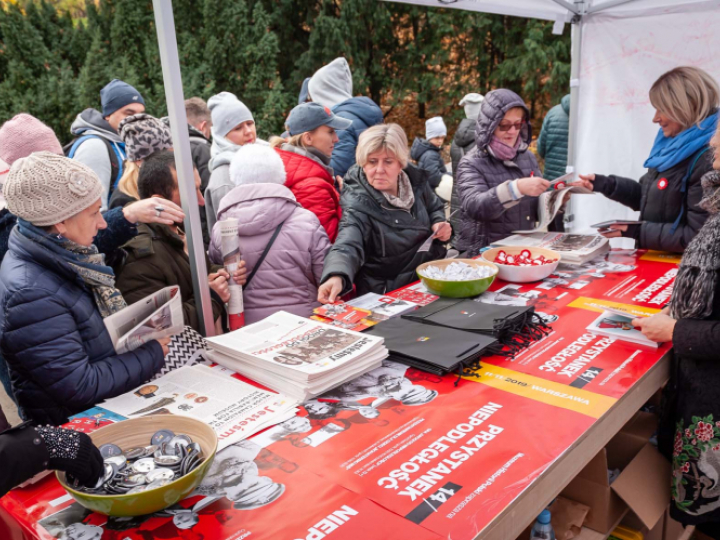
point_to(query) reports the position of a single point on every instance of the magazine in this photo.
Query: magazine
(552, 201)
(620, 327)
(573, 248)
(342, 312)
(234, 409)
(156, 316)
(382, 307)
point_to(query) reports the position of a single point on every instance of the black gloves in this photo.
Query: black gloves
(73, 453)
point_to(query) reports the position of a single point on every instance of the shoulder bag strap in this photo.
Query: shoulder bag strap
(264, 253)
(683, 189)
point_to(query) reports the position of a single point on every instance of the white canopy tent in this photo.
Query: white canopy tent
(619, 48)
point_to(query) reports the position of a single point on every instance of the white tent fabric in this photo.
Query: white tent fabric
(625, 46)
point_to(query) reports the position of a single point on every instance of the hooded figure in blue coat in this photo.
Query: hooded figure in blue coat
(56, 290)
(331, 86)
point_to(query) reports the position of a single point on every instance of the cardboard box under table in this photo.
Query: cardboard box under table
(642, 487)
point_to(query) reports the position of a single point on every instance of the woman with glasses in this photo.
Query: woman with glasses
(668, 195)
(498, 181)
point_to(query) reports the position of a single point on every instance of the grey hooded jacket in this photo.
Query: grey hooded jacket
(489, 210)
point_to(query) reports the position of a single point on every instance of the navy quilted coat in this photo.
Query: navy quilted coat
(52, 336)
(487, 215)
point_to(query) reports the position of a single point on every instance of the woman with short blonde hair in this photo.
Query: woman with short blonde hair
(686, 101)
(389, 211)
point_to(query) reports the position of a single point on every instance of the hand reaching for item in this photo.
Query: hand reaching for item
(586, 181)
(532, 186)
(658, 328)
(330, 290)
(72, 452)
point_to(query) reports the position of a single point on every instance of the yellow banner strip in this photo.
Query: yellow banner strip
(597, 305)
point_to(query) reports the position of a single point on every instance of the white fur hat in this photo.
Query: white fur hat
(256, 164)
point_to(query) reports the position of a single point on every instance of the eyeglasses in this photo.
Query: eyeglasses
(507, 127)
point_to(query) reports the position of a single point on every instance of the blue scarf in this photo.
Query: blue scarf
(85, 261)
(669, 151)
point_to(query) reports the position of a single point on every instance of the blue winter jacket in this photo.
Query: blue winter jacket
(364, 113)
(52, 336)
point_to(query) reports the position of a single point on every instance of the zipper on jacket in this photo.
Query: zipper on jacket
(382, 242)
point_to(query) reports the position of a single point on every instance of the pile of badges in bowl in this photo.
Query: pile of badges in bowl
(524, 258)
(457, 271)
(142, 468)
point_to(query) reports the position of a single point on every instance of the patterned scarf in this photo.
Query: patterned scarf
(85, 261)
(696, 280)
(405, 197)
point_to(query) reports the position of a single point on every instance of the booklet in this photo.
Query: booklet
(342, 312)
(234, 409)
(156, 316)
(382, 307)
(620, 327)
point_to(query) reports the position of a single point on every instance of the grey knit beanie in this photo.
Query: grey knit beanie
(227, 112)
(46, 189)
(143, 136)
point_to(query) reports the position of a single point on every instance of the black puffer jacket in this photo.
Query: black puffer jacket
(376, 247)
(462, 143)
(660, 201)
(429, 159)
(488, 210)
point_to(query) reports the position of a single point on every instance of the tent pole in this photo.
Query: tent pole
(576, 45)
(567, 5)
(605, 5)
(167, 43)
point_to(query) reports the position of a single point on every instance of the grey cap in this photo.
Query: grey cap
(310, 116)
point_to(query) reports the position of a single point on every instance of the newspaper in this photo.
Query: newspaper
(551, 202)
(156, 316)
(230, 246)
(296, 347)
(234, 409)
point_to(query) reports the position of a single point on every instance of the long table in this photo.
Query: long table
(437, 457)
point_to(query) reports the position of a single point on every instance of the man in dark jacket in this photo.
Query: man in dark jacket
(495, 183)
(97, 143)
(157, 257)
(331, 86)
(426, 152)
(552, 144)
(377, 246)
(463, 142)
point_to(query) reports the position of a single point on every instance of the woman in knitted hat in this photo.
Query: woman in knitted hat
(312, 131)
(233, 126)
(689, 433)
(143, 136)
(56, 291)
(289, 276)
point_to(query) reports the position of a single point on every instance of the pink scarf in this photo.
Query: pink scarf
(502, 151)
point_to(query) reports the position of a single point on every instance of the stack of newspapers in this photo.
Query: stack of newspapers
(298, 357)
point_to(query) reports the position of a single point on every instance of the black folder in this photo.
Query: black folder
(436, 349)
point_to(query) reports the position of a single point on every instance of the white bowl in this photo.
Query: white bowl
(523, 274)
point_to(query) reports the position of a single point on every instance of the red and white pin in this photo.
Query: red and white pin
(662, 183)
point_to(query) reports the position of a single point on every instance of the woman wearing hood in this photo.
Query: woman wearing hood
(331, 86)
(233, 126)
(306, 155)
(689, 432)
(686, 103)
(289, 275)
(498, 182)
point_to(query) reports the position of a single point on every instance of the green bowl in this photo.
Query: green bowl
(138, 432)
(457, 289)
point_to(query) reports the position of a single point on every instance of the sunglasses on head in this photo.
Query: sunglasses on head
(506, 127)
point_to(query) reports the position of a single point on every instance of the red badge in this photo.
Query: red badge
(662, 183)
(328, 111)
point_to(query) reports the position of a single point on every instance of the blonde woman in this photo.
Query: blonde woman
(686, 103)
(389, 211)
(143, 136)
(306, 154)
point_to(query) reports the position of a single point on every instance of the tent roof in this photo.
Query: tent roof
(552, 9)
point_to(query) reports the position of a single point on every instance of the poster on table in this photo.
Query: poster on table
(448, 458)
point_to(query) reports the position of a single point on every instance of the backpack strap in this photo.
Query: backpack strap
(116, 158)
(264, 254)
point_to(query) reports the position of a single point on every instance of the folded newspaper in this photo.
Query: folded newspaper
(234, 409)
(551, 202)
(573, 248)
(296, 356)
(156, 316)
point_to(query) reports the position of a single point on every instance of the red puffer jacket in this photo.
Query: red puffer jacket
(314, 189)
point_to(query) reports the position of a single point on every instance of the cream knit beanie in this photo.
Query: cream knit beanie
(45, 188)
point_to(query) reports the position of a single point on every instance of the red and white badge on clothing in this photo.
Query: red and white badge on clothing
(662, 183)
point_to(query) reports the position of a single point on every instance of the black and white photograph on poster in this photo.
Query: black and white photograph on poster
(510, 295)
(318, 347)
